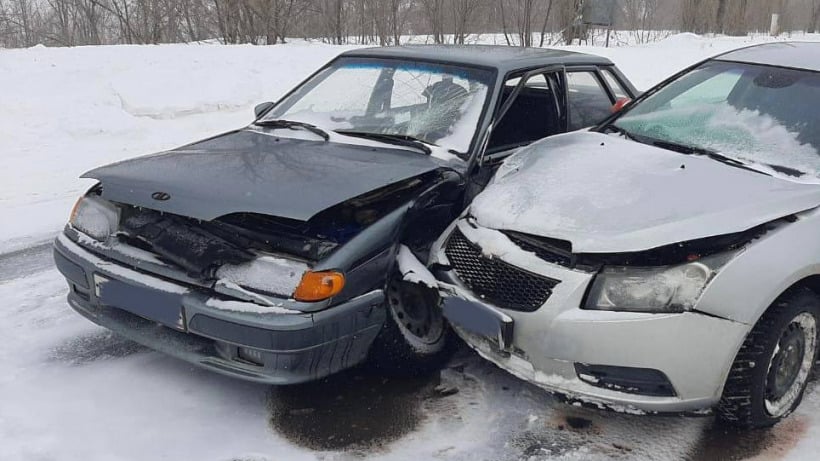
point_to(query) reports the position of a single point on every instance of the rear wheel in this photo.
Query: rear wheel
(771, 371)
(415, 337)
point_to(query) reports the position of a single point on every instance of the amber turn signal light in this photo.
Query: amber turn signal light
(317, 286)
(75, 209)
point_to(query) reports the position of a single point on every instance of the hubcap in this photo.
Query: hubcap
(416, 312)
(791, 364)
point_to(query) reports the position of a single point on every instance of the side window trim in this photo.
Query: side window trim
(615, 78)
(595, 71)
(504, 106)
(605, 85)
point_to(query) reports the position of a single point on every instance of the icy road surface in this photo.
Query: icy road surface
(71, 391)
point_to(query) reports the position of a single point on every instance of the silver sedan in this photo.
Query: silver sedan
(667, 260)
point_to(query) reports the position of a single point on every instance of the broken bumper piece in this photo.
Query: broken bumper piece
(638, 363)
(626, 361)
(184, 321)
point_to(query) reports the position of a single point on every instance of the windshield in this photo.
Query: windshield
(758, 115)
(435, 103)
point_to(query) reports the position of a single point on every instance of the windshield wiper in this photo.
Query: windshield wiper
(293, 125)
(693, 150)
(612, 128)
(396, 139)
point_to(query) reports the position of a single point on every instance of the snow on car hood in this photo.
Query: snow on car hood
(251, 172)
(607, 194)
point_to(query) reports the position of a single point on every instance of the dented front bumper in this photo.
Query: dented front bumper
(655, 362)
(189, 321)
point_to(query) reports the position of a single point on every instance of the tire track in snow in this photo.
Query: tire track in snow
(25, 261)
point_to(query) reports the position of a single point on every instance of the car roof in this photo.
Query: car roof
(797, 55)
(503, 58)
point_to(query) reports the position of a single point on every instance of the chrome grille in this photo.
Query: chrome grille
(494, 280)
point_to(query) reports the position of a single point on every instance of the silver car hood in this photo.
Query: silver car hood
(606, 194)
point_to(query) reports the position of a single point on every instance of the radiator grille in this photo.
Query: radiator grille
(496, 281)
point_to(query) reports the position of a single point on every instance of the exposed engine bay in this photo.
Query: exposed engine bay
(201, 247)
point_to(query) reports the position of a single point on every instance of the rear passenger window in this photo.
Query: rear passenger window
(617, 89)
(588, 101)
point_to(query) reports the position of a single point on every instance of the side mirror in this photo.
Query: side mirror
(620, 104)
(260, 109)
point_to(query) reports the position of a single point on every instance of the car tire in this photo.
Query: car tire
(415, 338)
(770, 373)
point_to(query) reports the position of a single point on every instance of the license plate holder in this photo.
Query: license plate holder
(151, 304)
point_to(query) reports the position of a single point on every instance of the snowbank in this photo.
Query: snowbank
(66, 110)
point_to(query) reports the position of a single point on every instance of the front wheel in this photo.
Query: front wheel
(415, 337)
(770, 373)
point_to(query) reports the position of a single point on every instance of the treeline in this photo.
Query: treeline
(384, 22)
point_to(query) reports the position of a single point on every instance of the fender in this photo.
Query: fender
(764, 270)
(430, 213)
(369, 257)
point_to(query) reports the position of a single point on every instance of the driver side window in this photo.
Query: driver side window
(534, 114)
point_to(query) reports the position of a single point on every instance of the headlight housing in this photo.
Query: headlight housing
(95, 217)
(665, 289)
(267, 274)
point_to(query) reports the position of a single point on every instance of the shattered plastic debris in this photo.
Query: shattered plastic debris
(412, 270)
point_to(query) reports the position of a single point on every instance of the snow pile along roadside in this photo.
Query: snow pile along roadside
(67, 110)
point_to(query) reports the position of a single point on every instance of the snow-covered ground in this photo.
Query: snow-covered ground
(66, 110)
(68, 390)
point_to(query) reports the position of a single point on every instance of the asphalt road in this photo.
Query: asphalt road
(361, 412)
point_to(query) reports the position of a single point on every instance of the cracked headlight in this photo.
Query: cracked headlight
(95, 217)
(663, 289)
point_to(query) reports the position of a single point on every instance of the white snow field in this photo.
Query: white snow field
(71, 391)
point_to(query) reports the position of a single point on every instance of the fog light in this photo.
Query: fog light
(253, 356)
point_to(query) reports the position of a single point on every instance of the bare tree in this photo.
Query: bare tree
(640, 17)
(523, 18)
(569, 16)
(434, 14)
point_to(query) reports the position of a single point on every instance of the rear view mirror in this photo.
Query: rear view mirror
(619, 104)
(260, 109)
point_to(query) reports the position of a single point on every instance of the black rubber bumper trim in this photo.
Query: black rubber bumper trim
(630, 380)
(326, 326)
(278, 368)
(71, 271)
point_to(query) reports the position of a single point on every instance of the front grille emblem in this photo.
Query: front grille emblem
(161, 196)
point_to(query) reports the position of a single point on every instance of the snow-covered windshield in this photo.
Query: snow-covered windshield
(762, 116)
(438, 104)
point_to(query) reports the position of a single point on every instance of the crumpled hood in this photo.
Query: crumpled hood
(606, 194)
(252, 172)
